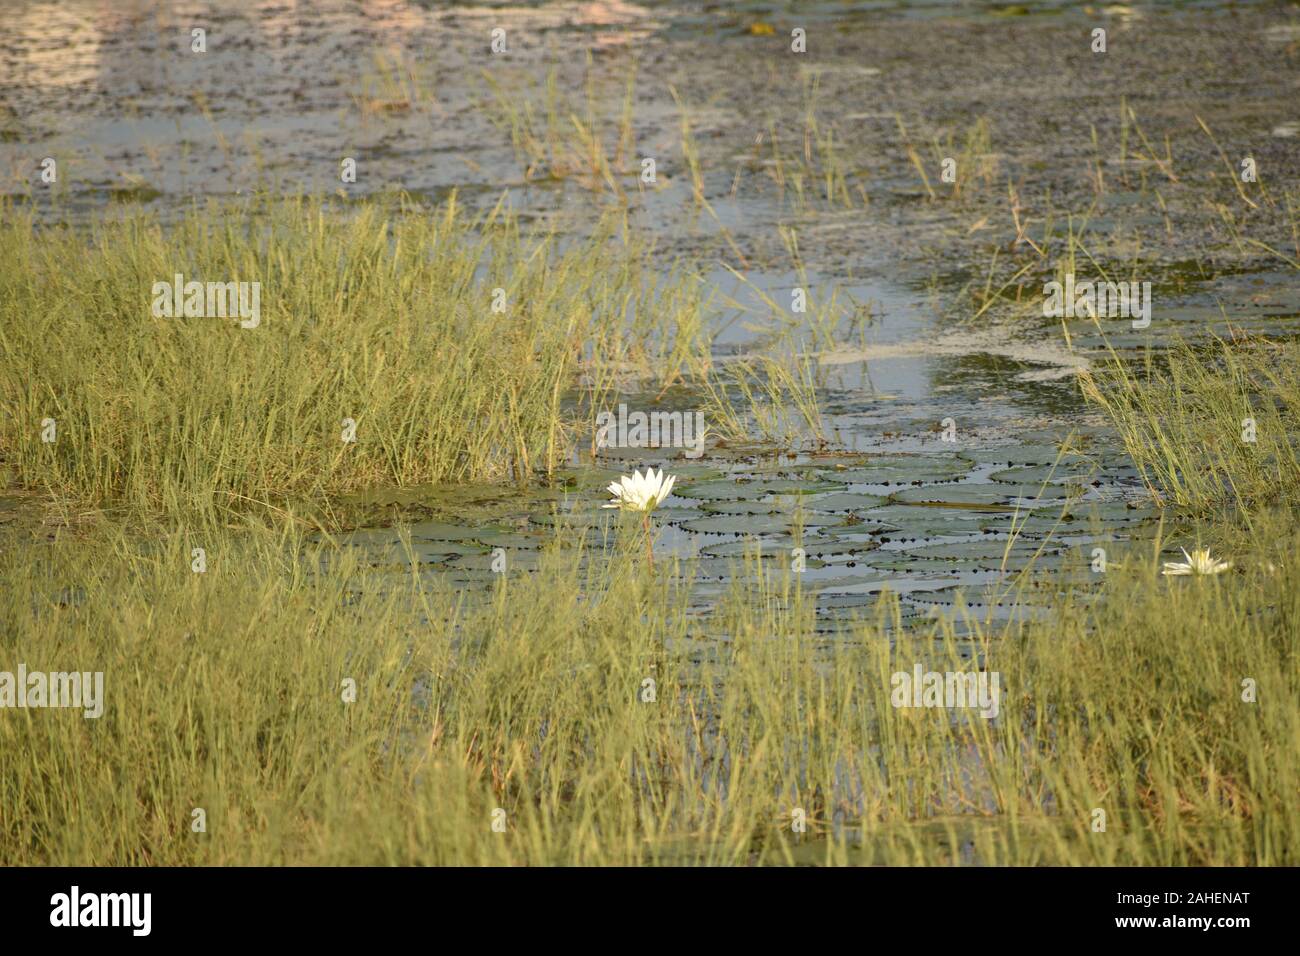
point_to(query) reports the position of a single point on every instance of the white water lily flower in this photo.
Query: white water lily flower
(636, 492)
(1198, 562)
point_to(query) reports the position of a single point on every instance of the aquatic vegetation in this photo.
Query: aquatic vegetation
(1209, 429)
(354, 716)
(390, 349)
(558, 139)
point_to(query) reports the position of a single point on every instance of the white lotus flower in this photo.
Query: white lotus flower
(1198, 562)
(637, 492)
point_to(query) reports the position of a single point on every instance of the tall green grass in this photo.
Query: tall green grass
(1210, 429)
(381, 316)
(225, 692)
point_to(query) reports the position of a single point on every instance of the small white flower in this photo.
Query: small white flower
(1198, 562)
(637, 492)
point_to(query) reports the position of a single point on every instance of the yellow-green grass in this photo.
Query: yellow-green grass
(1211, 429)
(385, 317)
(225, 692)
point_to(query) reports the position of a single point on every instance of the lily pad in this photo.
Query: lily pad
(825, 549)
(442, 531)
(1019, 455)
(644, 456)
(725, 490)
(906, 522)
(975, 550)
(992, 497)
(832, 579)
(442, 550)
(857, 599)
(983, 555)
(1103, 511)
(901, 470)
(832, 619)
(998, 596)
(585, 479)
(756, 524)
(1038, 475)
(512, 540)
(598, 518)
(514, 561)
(1079, 519)
(761, 506)
(708, 571)
(395, 554)
(846, 501)
(764, 547)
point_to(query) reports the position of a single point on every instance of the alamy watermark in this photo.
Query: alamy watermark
(651, 430)
(979, 690)
(208, 300)
(84, 689)
(1102, 300)
(75, 908)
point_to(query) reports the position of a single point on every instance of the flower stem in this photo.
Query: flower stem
(649, 544)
